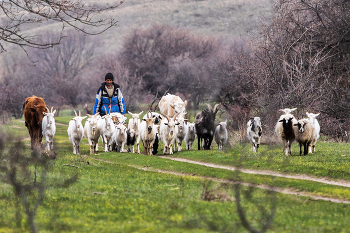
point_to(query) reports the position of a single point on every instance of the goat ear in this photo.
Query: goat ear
(83, 117)
(280, 120)
(54, 112)
(140, 113)
(172, 105)
(185, 102)
(165, 123)
(144, 119)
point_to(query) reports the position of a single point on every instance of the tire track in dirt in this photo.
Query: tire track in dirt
(289, 191)
(338, 182)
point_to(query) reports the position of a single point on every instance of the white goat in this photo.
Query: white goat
(76, 132)
(304, 134)
(180, 130)
(285, 133)
(120, 137)
(168, 134)
(171, 104)
(134, 123)
(221, 135)
(107, 130)
(288, 110)
(190, 135)
(148, 133)
(312, 118)
(49, 127)
(118, 118)
(157, 117)
(92, 131)
(254, 132)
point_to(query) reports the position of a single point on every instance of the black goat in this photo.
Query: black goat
(130, 140)
(155, 145)
(205, 128)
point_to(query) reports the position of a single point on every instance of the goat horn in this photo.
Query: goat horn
(209, 107)
(165, 117)
(216, 105)
(105, 109)
(51, 109)
(75, 113)
(79, 112)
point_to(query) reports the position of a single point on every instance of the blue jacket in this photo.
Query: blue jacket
(102, 100)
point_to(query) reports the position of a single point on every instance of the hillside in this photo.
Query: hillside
(220, 18)
(224, 18)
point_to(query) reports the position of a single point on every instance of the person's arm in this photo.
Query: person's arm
(98, 101)
(121, 102)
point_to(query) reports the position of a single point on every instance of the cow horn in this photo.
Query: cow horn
(209, 107)
(75, 113)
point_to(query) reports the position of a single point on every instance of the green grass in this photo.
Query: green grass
(129, 199)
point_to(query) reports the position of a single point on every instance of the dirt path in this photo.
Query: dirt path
(289, 191)
(343, 183)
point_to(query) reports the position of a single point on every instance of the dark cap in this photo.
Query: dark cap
(109, 76)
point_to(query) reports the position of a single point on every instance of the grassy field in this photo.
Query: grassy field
(124, 192)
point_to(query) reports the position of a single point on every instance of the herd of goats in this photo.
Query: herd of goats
(169, 126)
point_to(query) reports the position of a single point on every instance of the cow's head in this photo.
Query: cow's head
(38, 111)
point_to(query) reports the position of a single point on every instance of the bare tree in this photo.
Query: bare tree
(153, 55)
(61, 67)
(20, 15)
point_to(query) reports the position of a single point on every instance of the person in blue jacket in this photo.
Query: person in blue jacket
(109, 95)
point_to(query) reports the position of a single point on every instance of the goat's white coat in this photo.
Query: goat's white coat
(170, 104)
(92, 131)
(49, 128)
(120, 137)
(107, 130)
(134, 123)
(253, 135)
(180, 131)
(168, 134)
(190, 135)
(148, 133)
(76, 132)
(312, 118)
(221, 134)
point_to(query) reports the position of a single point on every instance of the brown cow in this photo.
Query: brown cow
(33, 109)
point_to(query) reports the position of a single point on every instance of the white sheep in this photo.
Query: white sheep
(92, 131)
(180, 130)
(107, 130)
(254, 132)
(120, 137)
(49, 127)
(312, 117)
(190, 135)
(134, 123)
(304, 134)
(221, 135)
(148, 133)
(168, 134)
(76, 132)
(285, 133)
